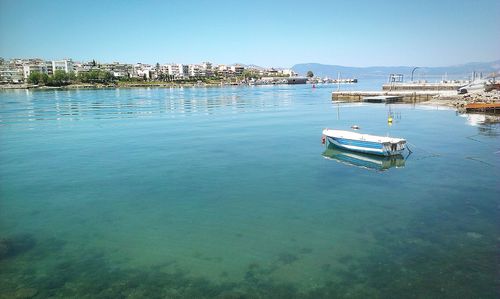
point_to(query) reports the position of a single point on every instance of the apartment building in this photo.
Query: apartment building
(65, 65)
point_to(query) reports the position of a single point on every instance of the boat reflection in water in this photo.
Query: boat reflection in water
(367, 161)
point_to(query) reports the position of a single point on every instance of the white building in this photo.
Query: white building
(65, 65)
(184, 70)
(222, 70)
(30, 68)
(172, 69)
(288, 72)
(237, 69)
(163, 69)
(36, 65)
(178, 70)
(119, 70)
(195, 70)
(11, 75)
(143, 70)
(207, 69)
(83, 67)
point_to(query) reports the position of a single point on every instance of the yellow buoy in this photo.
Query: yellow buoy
(389, 119)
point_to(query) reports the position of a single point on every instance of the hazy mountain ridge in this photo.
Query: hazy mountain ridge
(463, 70)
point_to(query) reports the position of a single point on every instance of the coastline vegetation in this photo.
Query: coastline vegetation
(104, 78)
(61, 78)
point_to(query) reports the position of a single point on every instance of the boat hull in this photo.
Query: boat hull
(365, 143)
(362, 146)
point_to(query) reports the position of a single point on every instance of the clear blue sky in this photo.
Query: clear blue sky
(266, 33)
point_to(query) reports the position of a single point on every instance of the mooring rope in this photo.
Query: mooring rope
(482, 142)
(430, 154)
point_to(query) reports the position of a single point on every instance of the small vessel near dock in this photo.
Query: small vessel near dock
(364, 143)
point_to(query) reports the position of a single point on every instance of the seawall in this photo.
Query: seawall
(407, 96)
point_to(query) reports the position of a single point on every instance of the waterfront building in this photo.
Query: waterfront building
(237, 69)
(172, 69)
(184, 70)
(119, 70)
(163, 71)
(11, 74)
(83, 67)
(35, 65)
(222, 70)
(207, 69)
(287, 72)
(141, 70)
(195, 70)
(175, 70)
(17, 70)
(271, 72)
(49, 67)
(178, 71)
(65, 65)
(30, 68)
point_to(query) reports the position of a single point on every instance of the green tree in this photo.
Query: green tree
(82, 77)
(250, 74)
(96, 76)
(105, 77)
(44, 78)
(60, 78)
(34, 78)
(310, 74)
(93, 76)
(72, 77)
(50, 81)
(159, 74)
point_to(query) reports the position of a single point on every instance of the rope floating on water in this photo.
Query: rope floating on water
(431, 154)
(479, 160)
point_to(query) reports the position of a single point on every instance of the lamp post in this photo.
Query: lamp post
(413, 72)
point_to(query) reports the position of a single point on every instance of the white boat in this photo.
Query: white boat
(364, 143)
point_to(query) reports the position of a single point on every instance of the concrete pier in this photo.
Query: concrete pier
(408, 92)
(407, 96)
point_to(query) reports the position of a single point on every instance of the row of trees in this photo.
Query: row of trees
(61, 78)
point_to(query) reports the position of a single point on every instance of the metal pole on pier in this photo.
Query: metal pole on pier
(338, 81)
(413, 72)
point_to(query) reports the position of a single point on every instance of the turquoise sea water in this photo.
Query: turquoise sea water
(229, 193)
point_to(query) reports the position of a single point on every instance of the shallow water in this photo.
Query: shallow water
(227, 193)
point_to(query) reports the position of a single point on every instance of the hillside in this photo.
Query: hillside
(457, 71)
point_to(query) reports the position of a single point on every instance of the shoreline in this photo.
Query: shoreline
(104, 86)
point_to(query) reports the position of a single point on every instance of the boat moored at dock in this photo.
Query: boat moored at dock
(365, 143)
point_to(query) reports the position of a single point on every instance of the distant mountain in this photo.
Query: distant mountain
(252, 66)
(457, 71)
